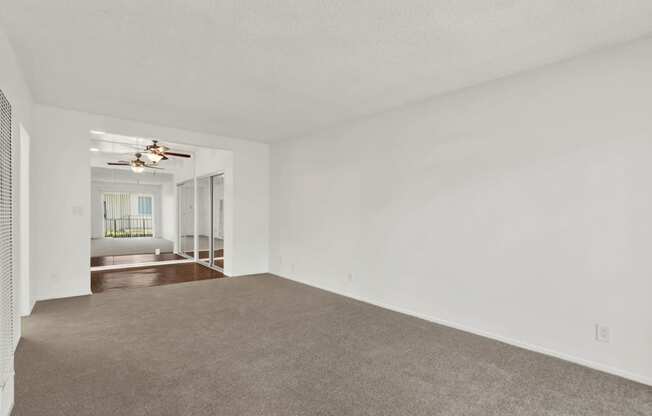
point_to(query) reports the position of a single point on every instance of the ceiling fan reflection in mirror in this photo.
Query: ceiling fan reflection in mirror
(137, 165)
(156, 152)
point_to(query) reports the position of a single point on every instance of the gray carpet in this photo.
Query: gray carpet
(268, 346)
(136, 245)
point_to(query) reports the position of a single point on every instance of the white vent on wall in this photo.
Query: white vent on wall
(6, 245)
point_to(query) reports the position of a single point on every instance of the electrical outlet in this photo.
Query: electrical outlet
(292, 267)
(602, 333)
(349, 277)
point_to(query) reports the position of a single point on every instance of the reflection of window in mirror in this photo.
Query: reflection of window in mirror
(144, 205)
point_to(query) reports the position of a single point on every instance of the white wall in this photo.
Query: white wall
(60, 202)
(25, 301)
(519, 209)
(60, 196)
(13, 85)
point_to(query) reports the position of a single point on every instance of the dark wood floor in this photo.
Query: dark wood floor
(104, 280)
(132, 259)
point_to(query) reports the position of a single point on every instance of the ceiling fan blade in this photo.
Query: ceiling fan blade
(118, 163)
(176, 154)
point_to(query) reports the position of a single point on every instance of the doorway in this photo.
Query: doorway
(169, 212)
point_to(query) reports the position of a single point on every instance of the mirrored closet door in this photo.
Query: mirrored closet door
(186, 218)
(204, 219)
(210, 220)
(217, 202)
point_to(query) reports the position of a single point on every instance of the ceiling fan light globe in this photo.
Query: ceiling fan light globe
(137, 168)
(154, 157)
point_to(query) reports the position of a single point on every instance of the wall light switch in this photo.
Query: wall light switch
(602, 333)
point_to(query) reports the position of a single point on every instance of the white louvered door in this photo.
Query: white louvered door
(6, 245)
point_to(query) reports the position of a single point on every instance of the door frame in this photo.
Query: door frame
(211, 237)
(180, 250)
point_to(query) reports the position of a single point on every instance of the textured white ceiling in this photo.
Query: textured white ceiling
(268, 70)
(125, 175)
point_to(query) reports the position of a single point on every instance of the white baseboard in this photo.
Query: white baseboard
(29, 310)
(50, 296)
(536, 348)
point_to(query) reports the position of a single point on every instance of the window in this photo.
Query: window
(128, 215)
(145, 205)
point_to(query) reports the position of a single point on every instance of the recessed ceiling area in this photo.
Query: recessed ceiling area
(274, 70)
(106, 147)
(113, 143)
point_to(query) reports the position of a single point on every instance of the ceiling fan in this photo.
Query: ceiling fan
(156, 152)
(137, 165)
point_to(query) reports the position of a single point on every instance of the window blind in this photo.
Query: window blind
(127, 215)
(6, 244)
